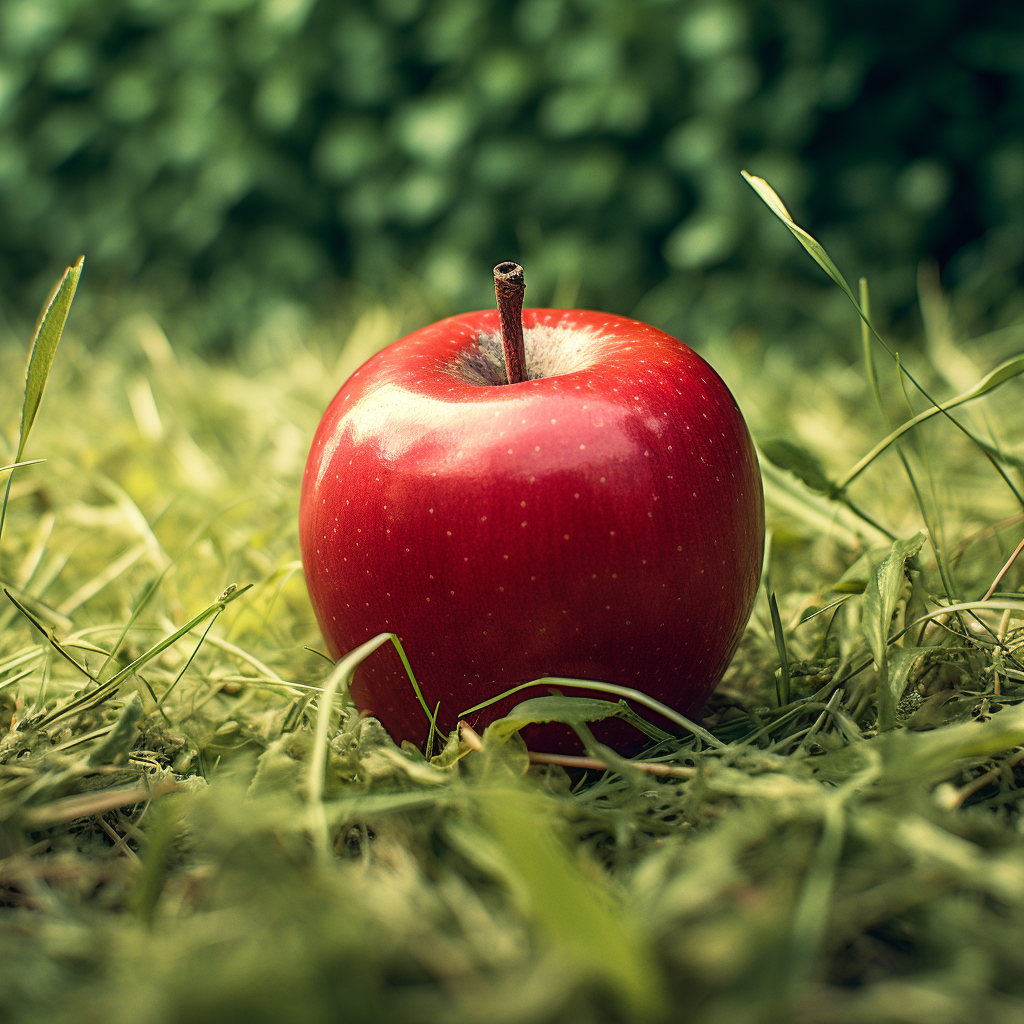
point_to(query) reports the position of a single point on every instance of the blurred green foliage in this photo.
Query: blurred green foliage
(228, 155)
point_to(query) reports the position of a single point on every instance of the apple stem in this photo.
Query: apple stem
(509, 286)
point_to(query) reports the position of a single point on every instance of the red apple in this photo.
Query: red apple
(602, 519)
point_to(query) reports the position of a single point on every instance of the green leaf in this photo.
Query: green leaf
(623, 692)
(804, 465)
(880, 597)
(573, 711)
(901, 663)
(44, 346)
(855, 580)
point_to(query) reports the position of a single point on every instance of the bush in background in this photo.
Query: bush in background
(225, 156)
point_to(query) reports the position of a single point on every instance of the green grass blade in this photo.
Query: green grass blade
(44, 346)
(869, 353)
(110, 687)
(342, 673)
(782, 686)
(1000, 375)
(933, 515)
(817, 253)
(48, 633)
(19, 465)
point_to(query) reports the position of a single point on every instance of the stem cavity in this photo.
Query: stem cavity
(509, 286)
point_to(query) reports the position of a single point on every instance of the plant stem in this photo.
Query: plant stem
(509, 286)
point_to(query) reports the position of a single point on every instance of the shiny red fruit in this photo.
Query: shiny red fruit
(602, 520)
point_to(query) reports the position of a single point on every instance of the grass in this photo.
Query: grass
(192, 829)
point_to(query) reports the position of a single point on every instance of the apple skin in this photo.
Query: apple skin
(604, 523)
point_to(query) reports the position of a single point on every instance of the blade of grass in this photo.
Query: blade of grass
(1000, 375)
(782, 680)
(318, 760)
(45, 339)
(110, 687)
(44, 347)
(48, 633)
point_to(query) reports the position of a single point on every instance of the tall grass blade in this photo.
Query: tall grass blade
(818, 254)
(342, 673)
(782, 681)
(44, 346)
